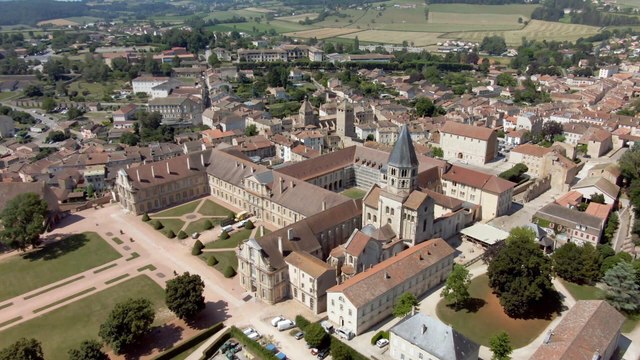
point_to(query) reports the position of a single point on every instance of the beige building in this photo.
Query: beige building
(310, 278)
(542, 162)
(492, 193)
(468, 143)
(262, 267)
(367, 298)
(598, 142)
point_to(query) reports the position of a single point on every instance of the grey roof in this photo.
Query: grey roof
(403, 153)
(436, 338)
(601, 184)
(558, 213)
(265, 177)
(540, 232)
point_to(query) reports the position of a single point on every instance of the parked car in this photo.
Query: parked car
(327, 326)
(195, 235)
(286, 324)
(281, 356)
(382, 343)
(323, 354)
(276, 320)
(299, 335)
(255, 336)
(248, 331)
(227, 228)
(345, 333)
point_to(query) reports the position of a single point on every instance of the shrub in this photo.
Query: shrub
(379, 335)
(229, 272)
(302, 322)
(145, 217)
(208, 224)
(182, 235)
(157, 224)
(212, 260)
(197, 248)
(249, 225)
(171, 234)
(224, 235)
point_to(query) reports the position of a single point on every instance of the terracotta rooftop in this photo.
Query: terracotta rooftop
(572, 198)
(471, 131)
(477, 179)
(371, 284)
(589, 327)
(308, 263)
(531, 149)
(598, 210)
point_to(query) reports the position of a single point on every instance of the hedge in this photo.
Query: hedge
(379, 335)
(209, 351)
(145, 217)
(156, 224)
(197, 248)
(212, 260)
(182, 235)
(253, 347)
(185, 345)
(171, 234)
(229, 272)
(302, 322)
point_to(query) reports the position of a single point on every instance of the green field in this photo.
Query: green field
(171, 224)
(210, 208)
(583, 292)
(54, 262)
(354, 193)
(178, 210)
(64, 328)
(95, 91)
(225, 258)
(198, 225)
(231, 242)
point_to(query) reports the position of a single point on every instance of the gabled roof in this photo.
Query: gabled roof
(403, 153)
(531, 149)
(436, 338)
(471, 131)
(601, 184)
(478, 180)
(308, 263)
(589, 327)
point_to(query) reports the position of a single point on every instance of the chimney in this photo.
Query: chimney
(280, 246)
(290, 234)
(168, 169)
(291, 185)
(188, 164)
(324, 205)
(424, 329)
(202, 159)
(386, 275)
(138, 174)
(153, 173)
(261, 231)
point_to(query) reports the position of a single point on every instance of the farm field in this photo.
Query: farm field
(300, 17)
(58, 22)
(323, 33)
(277, 25)
(535, 30)
(397, 37)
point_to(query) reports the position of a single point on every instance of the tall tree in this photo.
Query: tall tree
(184, 295)
(23, 349)
(630, 163)
(456, 289)
(500, 345)
(24, 220)
(127, 321)
(578, 264)
(506, 79)
(623, 292)
(404, 303)
(88, 350)
(315, 335)
(550, 129)
(520, 274)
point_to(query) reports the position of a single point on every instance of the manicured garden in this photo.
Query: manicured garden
(200, 225)
(53, 262)
(231, 242)
(484, 317)
(354, 193)
(178, 210)
(210, 208)
(64, 328)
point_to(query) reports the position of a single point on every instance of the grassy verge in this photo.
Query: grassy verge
(583, 292)
(178, 210)
(70, 297)
(231, 242)
(210, 208)
(53, 262)
(64, 328)
(105, 268)
(54, 287)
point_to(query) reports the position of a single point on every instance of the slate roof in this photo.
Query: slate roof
(403, 153)
(601, 184)
(436, 338)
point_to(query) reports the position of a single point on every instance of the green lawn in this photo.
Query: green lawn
(225, 258)
(354, 193)
(95, 91)
(185, 354)
(8, 94)
(198, 225)
(210, 208)
(53, 262)
(583, 292)
(231, 242)
(64, 328)
(488, 318)
(171, 224)
(178, 210)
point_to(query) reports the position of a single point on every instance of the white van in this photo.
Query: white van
(328, 328)
(285, 324)
(345, 334)
(227, 228)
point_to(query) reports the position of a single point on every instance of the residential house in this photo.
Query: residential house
(467, 143)
(125, 113)
(598, 185)
(309, 278)
(178, 109)
(597, 140)
(571, 224)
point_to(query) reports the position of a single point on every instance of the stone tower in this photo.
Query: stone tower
(306, 114)
(402, 166)
(345, 120)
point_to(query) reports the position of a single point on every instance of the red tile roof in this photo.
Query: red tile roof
(471, 131)
(478, 180)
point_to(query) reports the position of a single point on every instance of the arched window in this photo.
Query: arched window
(391, 211)
(386, 210)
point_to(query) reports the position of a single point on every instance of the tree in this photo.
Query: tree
(207, 224)
(578, 264)
(212, 260)
(437, 152)
(404, 304)
(425, 107)
(612, 226)
(88, 350)
(74, 113)
(249, 225)
(224, 235)
(500, 346)
(90, 191)
(130, 139)
(23, 349)
(550, 129)
(315, 335)
(630, 163)
(24, 220)
(32, 91)
(170, 234)
(184, 295)
(520, 274)
(48, 104)
(251, 130)
(145, 217)
(182, 235)
(456, 289)
(229, 272)
(611, 261)
(339, 351)
(597, 198)
(623, 292)
(127, 321)
(213, 60)
(197, 248)
(56, 136)
(506, 80)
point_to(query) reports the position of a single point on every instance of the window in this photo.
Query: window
(386, 210)
(368, 216)
(391, 211)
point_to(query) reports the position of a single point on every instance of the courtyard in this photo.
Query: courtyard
(191, 217)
